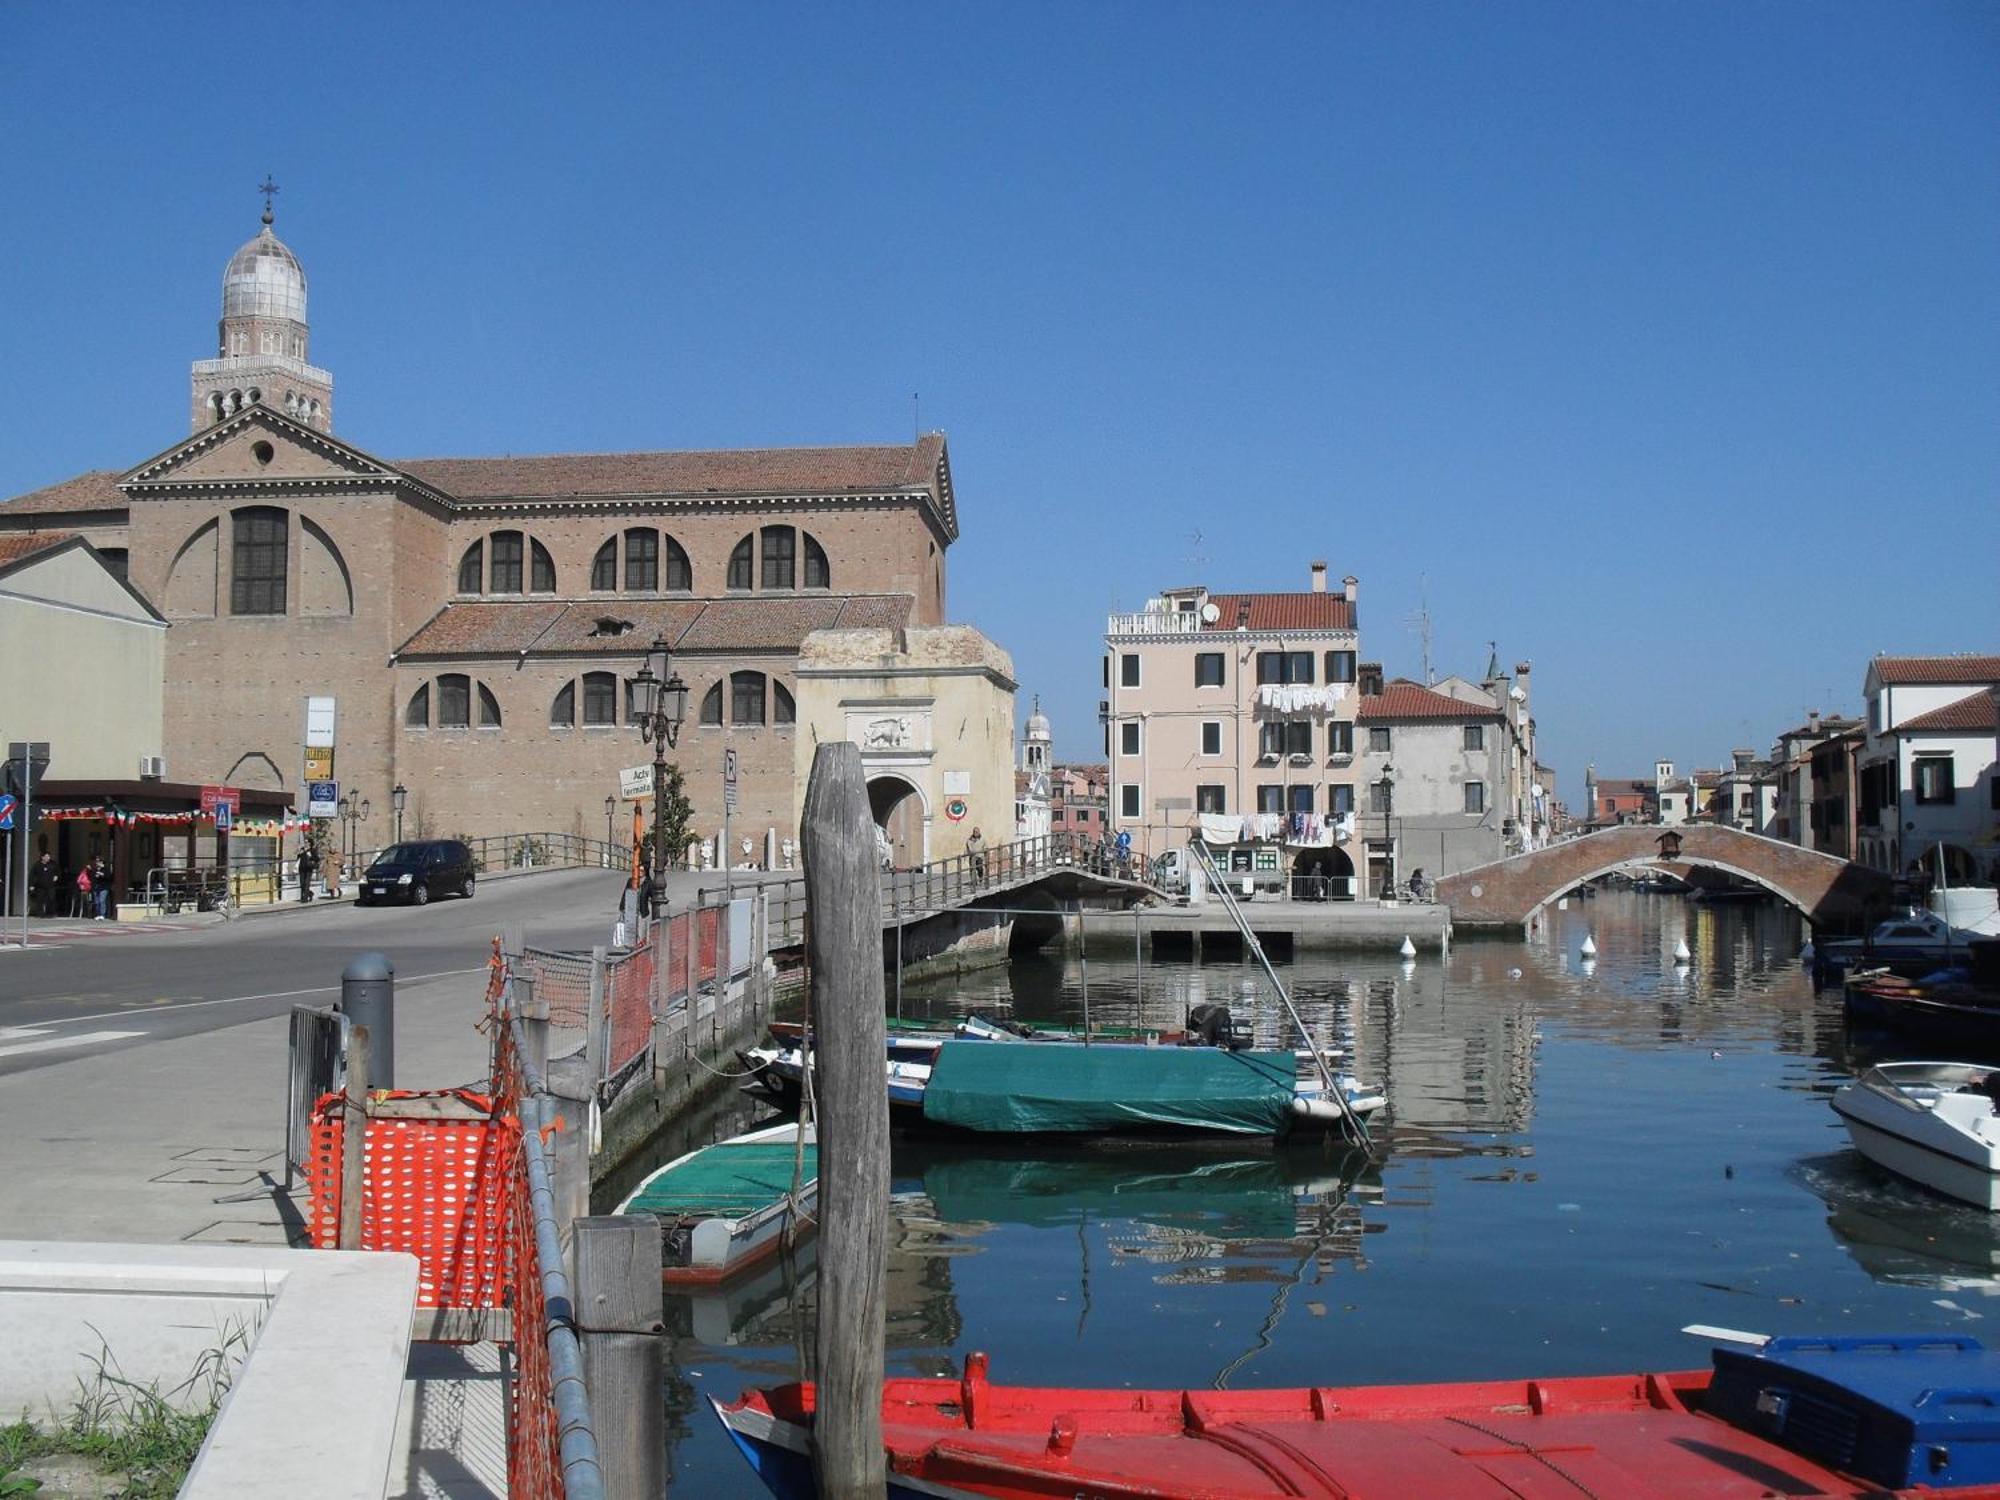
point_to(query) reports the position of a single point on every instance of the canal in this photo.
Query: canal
(1577, 1158)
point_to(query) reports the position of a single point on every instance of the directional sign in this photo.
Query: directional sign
(7, 806)
(322, 799)
(635, 782)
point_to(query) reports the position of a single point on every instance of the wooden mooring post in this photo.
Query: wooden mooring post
(620, 1331)
(850, 1039)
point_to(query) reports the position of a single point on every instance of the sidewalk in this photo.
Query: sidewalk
(143, 1145)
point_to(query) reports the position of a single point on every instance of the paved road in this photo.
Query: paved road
(111, 987)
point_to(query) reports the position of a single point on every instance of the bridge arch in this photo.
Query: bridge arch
(1509, 893)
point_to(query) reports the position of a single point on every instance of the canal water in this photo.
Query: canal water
(1577, 1158)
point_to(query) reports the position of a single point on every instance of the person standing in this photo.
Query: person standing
(975, 849)
(100, 887)
(84, 904)
(43, 880)
(307, 865)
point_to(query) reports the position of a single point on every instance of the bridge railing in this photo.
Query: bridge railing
(942, 883)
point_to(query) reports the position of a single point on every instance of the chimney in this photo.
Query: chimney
(1319, 577)
(1348, 586)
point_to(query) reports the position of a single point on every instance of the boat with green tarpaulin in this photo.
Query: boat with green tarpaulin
(733, 1205)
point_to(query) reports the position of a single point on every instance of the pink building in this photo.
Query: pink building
(1231, 714)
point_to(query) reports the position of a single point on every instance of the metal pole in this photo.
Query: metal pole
(368, 999)
(1138, 966)
(1083, 965)
(27, 835)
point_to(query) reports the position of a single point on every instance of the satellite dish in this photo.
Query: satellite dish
(1210, 614)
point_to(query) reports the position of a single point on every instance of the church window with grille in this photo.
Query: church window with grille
(711, 705)
(257, 563)
(562, 712)
(780, 555)
(604, 567)
(600, 698)
(506, 575)
(642, 560)
(472, 568)
(418, 714)
(454, 701)
(542, 568)
(741, 562)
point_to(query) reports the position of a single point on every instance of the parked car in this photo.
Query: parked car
(417, 871)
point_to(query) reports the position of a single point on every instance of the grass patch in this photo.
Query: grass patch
(145, 1436)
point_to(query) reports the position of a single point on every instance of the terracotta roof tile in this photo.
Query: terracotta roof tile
(473, 629)
(97, 490)
(18, 546)
(1974, 714)
(1904, 671)
(1282, 612)
(578, 626)
(1402, 699)
(760, 624)
(737, 471)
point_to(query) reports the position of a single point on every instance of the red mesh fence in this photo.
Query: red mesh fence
(678, 974)
(628, 1004)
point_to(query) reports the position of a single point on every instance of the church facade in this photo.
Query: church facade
(475, 621)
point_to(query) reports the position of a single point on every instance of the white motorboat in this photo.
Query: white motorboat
(1919, 938)
(1932, 1122)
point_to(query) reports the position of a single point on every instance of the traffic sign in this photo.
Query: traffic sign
(225, 816)
(322, 799)
(729, 768)
(7, 806)
(635, 782)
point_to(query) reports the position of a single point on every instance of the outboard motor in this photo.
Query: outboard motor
(1213, 1026)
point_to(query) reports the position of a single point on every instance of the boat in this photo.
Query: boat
(1940, 1007)
(1932, 1122)
(1848, 1416)
(1913, 943)
(731, 1206)
(1070, 1088)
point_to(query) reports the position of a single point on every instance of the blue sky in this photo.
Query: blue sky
(1656, 343)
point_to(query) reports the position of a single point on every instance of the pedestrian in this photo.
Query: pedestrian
(43, 881)
(307, 865)
(975, 849)
(83, 898)
(100, 887)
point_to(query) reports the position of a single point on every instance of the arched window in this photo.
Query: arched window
(783, 710)
(711, 705)
(472, 568)
(746, 697)
(741, 561)
(454, 701)
(562, 712)
(600, 698)
(506, 575)
(679, 571)
(542, 569)
(818, 575)
(257, 561)
(489, 708)
(604, 567)
(780, 557)
(642, 560)
(418, 714)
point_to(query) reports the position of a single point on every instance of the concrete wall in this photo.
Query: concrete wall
(83, 668)
(1433, 831)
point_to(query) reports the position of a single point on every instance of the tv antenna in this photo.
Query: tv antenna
(1421, 623)
(1196, 558)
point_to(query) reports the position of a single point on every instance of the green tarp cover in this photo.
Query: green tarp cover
(1068, 1089)
(724, 1182)
(1241, 1199)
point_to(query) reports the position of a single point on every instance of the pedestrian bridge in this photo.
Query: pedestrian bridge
(1833, 893)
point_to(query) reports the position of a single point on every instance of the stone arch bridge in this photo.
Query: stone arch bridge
(1834, 894)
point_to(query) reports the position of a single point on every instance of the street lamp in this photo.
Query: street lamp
(659, 703)
(353, 812)
(610, 804)
(1388, 785)
(399, 795)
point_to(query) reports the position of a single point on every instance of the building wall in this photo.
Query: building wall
(1431, 828)
(82, 668)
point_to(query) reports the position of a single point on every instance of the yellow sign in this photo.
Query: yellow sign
(319, 763)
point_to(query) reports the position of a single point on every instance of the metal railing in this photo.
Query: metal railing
(514, 851)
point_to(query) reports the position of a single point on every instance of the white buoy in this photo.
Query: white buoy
(1589, 946)
(1589, 967)
(1513, 973)
(1409, 968)
(1409, 949)
(1681, 954)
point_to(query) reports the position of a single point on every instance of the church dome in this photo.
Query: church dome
(1038, 723)
(264, 280)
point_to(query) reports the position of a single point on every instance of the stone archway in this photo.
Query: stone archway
(1508, 893)
(900, 811)
(1323, 875)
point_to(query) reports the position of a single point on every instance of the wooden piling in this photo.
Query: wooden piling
(621, 1335)
(354, 1139)
(844, 952)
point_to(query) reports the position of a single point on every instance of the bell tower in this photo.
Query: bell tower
(261, 339)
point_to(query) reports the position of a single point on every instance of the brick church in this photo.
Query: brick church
(475, 620)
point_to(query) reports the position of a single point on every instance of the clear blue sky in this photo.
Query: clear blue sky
(1656, 342)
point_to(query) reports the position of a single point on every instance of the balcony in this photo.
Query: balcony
(1154, 622)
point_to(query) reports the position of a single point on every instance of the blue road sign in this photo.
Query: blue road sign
(224, 817)
(1124, 842)
(7, 805)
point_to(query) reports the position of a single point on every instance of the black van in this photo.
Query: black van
(417, 871)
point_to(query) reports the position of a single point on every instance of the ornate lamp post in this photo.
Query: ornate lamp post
(1388, 785)
(353, 813)
(659, 703)
(398, 795)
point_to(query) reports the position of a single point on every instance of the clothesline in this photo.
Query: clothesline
(1307, 830)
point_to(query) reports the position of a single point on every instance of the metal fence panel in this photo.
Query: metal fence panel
(316, 1066)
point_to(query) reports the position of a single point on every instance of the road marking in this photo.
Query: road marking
(11, 1046)
(320, 989)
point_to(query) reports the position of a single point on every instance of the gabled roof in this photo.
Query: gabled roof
(576, 627)
(96, 490)
(1307, 611)
(16, 547)
(1909, 671)
(1402, 699)
(1972, 715)
(22, 549)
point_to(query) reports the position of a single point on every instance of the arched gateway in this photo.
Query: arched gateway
(1831, 892)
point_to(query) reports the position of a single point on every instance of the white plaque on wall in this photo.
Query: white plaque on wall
(958, 783)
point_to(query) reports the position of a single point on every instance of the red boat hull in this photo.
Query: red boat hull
(1632, 1437)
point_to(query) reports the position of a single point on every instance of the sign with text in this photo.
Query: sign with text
(319, 723)
(214, 798)
(225, 817)
(635, 782)
(729, 780)
(322, 799)
(319, 763)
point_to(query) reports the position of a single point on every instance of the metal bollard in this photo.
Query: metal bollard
(368, 998)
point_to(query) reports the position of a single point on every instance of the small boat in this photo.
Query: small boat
(730, 1206)
(1941, 1007)
(1068, 1088)
(1915, 942)
(1932, 1122)
(1877, 1417)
